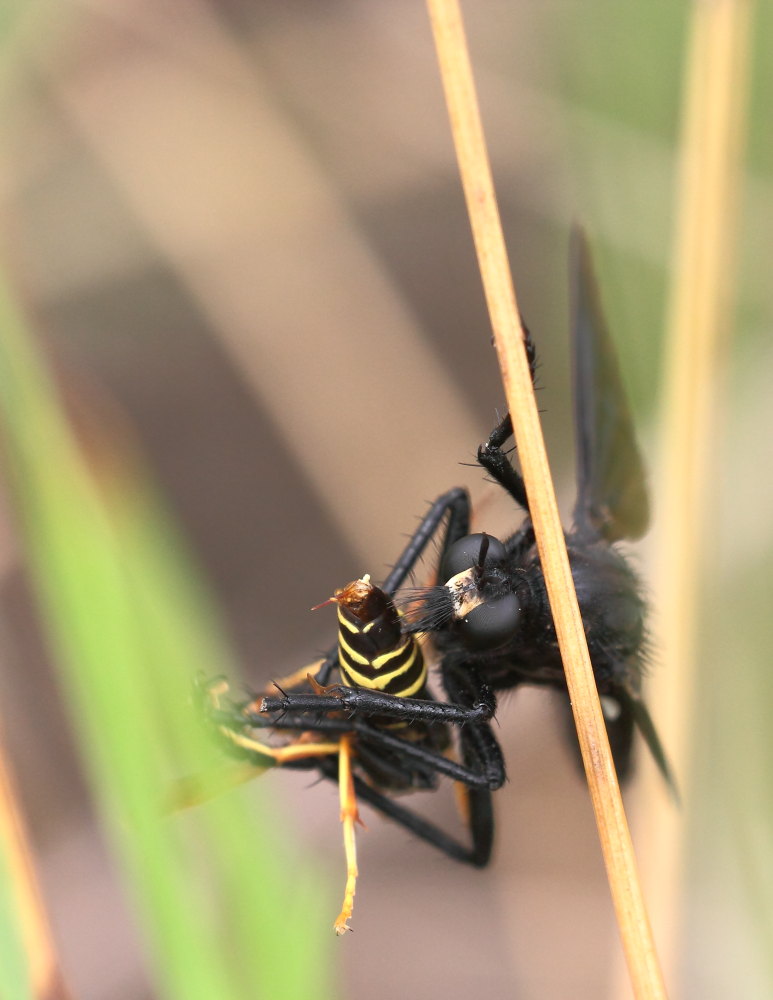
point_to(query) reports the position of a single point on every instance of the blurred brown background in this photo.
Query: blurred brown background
(242, 224)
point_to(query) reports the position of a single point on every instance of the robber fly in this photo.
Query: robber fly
(488, 616)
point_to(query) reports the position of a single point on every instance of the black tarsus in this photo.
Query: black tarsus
(492, 455)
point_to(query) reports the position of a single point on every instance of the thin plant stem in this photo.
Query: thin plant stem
(478, 185)
(43, 971)
(716, 88)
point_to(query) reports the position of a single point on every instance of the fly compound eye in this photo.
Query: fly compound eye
(466, 553)
(491, 624)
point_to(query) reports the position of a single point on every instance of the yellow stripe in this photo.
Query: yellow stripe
(384, 659)
(357, 657)
(380, 682)
(414, 687)
(346, 623)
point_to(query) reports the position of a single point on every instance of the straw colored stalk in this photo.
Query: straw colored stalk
(478, 185)
(43, 973)
(716, 89)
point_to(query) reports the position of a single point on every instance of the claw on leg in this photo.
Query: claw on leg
(323, 688)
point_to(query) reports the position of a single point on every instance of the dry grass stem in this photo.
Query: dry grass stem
(616, 843)
(43, 968)
(697, 330)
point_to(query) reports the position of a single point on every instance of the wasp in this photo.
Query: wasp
(488, 617)
(372, 759)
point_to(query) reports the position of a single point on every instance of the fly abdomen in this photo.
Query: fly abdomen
(373, 650)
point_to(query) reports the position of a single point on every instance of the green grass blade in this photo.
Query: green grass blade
(130, 627)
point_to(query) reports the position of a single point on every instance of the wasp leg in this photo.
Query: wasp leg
(296, 678)
(328, 665)
(277, 756)
(349, 817)
(302, 752)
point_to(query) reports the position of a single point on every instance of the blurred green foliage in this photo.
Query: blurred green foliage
(227, 908)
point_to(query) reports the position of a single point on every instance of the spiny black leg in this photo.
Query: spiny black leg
(481, 751)
(391, 771)
(480, 819)
(420, 827)
(486, 774)
(498, 465)
(492, 457)
(361, 701)
(531, 351)
(481, 769)
(480, 808)
(455, 503)
(473, 775)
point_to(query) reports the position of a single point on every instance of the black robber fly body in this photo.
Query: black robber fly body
(488, 616)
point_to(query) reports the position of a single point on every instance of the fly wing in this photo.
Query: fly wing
(612, 498)
(624, 714)
(633, 708)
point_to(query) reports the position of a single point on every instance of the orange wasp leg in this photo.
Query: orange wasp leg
(349, 816)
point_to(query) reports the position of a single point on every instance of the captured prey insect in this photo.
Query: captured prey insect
(374, 758)
(489, 617)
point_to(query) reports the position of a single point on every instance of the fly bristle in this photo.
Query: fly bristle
(426, 609)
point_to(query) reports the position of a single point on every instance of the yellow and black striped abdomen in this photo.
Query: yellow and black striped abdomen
(373, 651)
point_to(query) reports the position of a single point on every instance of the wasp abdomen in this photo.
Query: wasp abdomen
(373, 650)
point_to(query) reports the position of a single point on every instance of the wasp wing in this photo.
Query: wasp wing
(194, 790)
(612, 498)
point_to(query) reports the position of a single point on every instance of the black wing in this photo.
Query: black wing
(631, 714)
(633, 708)
(611, 488)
